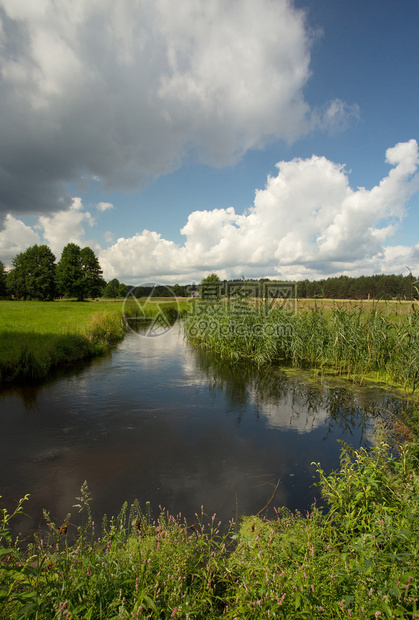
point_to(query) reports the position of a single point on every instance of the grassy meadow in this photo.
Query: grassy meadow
(37, 336)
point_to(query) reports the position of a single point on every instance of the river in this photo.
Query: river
(162, 422)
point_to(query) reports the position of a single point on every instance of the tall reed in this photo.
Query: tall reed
(351, 342)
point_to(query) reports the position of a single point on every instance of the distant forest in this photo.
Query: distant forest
(341, 287)
(362, 287)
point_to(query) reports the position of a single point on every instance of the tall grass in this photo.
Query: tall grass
(352, 342)
(358, 558)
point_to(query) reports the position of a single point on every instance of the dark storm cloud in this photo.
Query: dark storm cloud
(121, 91)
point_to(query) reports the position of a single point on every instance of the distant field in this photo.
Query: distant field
(392, 306)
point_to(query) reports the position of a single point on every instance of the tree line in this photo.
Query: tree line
(381, 286)
(116, 289)
(403, 287)
(36, 275)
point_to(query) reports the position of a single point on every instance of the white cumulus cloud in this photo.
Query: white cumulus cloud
(67, 226)
(15, 238)
(104, 206)
(306, 222)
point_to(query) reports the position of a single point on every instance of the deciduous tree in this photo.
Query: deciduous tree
(70, 279)
(211, 287)
(92, 273)
(112, 289)
(33, 274)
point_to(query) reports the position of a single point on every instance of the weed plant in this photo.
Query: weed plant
(356, 558)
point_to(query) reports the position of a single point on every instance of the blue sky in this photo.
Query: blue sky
(117, 120)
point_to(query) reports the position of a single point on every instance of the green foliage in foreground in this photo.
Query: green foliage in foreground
(351, 342)
(358, 560)
(35, 336)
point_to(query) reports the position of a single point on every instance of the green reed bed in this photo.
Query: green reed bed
(344, 341)
(38, 336)
(357, 559)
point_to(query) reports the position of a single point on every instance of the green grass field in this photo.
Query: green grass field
(37, 336)
(61, 317)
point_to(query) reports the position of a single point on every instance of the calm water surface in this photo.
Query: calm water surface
(159, 421)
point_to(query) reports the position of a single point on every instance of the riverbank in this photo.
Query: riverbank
(36, 337)
(356, 559)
